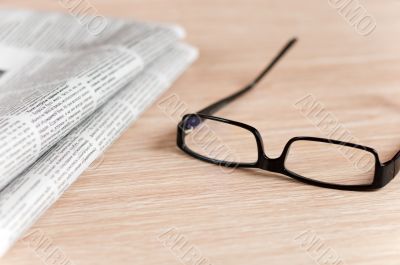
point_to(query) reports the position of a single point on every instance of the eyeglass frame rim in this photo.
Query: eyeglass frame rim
(382, 176)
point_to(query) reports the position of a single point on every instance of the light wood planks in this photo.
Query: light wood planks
(145, 186)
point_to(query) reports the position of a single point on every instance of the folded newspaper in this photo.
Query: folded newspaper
(65, 95)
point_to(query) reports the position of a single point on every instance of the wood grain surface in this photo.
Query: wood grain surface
(145, 193)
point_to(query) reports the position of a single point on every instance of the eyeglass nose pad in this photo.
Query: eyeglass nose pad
(191, 123)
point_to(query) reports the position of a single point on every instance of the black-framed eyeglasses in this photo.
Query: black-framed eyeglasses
(317, 161)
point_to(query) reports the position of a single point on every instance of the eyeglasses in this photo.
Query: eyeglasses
(317, 161)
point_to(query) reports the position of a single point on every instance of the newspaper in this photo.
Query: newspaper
(66, 93)
(54, 73)
(28, 196)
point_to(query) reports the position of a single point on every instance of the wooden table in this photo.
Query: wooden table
(146, 192)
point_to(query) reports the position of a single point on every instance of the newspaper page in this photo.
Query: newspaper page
(54, 74)
(28, 196)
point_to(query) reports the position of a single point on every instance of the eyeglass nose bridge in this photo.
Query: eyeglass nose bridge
(272, 164)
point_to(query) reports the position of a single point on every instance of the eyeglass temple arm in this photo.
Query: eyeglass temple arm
(225, 101)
